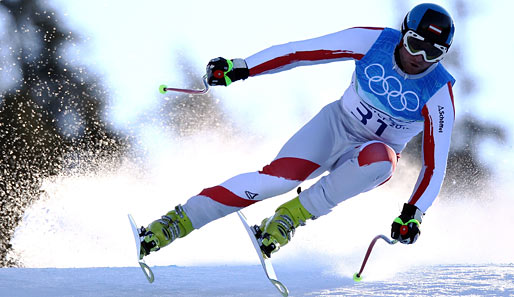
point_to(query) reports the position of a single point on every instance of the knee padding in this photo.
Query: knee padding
(377, 152)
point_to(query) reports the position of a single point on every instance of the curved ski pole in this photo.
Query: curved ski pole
(163, 88)
(357, 276)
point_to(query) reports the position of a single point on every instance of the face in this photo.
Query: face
(412, 64)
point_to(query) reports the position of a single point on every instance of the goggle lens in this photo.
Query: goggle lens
(416, 45)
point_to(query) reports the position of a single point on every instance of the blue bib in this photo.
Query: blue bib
(387, 90)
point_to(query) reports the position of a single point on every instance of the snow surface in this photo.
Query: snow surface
(81, 224)
(441, 280)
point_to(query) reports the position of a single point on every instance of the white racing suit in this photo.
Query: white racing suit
(356, 138)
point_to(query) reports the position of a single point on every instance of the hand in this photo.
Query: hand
(405, 228)
(222, 72)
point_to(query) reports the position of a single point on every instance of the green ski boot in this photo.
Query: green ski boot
(175, 224)
(278, 230)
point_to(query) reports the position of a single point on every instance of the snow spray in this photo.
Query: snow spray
(80, 219)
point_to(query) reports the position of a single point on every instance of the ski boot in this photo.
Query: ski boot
(175, 224)
(278, 230)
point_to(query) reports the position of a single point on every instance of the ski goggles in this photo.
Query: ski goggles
(415, 44)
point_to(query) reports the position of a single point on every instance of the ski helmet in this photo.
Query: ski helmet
(432, 22)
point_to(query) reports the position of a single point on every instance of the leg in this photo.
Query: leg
(367, 167)
(357, 171)
(306, 155)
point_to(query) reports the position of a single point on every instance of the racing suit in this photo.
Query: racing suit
(356, 138)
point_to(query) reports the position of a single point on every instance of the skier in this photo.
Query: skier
(398, 90)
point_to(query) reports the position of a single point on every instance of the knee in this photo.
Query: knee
(374, 152)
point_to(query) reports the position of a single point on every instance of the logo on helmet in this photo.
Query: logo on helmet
(435, 29)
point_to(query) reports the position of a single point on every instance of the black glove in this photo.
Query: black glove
(222, 72)
(405, 228)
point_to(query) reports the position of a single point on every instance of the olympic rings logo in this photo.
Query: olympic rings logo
(387, 83)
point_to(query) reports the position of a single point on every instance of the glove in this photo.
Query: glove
(222, 72)
(405, 228)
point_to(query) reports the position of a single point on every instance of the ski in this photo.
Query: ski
(137, 237)
(265, 262)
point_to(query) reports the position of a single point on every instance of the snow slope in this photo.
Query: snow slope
(81, 224)
(442, 280)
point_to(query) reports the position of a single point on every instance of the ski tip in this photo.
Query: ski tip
(148, 272)
(280, 287)
(131, 219)
(357, 277)
(162, 89)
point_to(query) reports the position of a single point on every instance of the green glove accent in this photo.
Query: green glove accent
(230, 66)
(228, 81)
(399, 221)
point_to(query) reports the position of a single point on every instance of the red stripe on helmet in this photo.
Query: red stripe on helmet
(435, 29)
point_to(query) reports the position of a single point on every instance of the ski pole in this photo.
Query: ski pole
(163, 88)
(357, 276)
